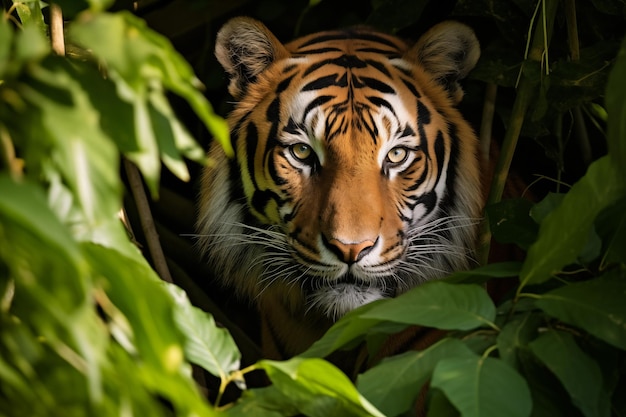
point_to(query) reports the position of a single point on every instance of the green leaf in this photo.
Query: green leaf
(439, 304)
(6, 39)
(142, 57)
(611, 227)
(596, 306)
(349, 330)
(516, 335)
(563, 233)
(317, 388)
(549, 203)
(616, 108)
(510, 222)
(483, 387)
(136, 290)
(206, 344)
(485, 273)
(579, 374)
(393, 385)
(30, 14)
(263, 402)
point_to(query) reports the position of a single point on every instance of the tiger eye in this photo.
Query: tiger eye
(397, 155)
(301, 151)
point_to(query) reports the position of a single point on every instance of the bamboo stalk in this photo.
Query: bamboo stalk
(525, 92)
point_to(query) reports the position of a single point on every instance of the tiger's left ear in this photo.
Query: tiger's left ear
(448, 51)
(245, 48)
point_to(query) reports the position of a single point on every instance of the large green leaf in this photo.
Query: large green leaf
(483, 387)
(485, 273)
(439, 304)
(393, 385)
(564, 232)
(348, 331)
(579, 374)
(206, 344)
(596, 306)
(317, 388)
(510, 222)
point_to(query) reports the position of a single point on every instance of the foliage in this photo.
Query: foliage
(88, 327)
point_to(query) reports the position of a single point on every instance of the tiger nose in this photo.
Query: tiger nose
(350, 252)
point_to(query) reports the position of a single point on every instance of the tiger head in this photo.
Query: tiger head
(355, 177)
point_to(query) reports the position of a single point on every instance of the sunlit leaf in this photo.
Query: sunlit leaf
(439, 304)
(317, 388)
(206, 345)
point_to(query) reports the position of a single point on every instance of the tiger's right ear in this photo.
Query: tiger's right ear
(245, 48)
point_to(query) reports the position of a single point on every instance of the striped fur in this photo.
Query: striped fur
(355, 176)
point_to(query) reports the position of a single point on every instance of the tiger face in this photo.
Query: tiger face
(355, 177)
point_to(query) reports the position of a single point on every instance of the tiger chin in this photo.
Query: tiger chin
(355, 177)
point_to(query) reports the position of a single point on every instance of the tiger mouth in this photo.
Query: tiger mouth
(386, 286)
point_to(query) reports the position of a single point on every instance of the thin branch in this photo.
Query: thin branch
(147, 221)
(56, 29)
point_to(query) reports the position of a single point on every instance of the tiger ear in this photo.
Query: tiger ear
(245, 48)
(448, 51)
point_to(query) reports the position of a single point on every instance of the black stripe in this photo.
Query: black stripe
(423, 114)
(379, 66)
(316, 103)
(321, 82)
(348, 34)
(377, 85)
(317, 51)
(411, 88)
(381, 102)
(440, 150)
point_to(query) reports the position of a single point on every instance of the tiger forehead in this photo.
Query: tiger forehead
(355, 40)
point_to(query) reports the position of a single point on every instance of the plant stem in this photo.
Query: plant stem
(56, 29)
(486, 123)
(147, 222)
(525, 92)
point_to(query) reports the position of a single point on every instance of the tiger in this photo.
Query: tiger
(354, 178)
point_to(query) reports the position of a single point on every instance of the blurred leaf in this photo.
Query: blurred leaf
(30, 14)
(30, 45)
(135, 289)
(616, 109)
(485, 273)
(6, 39)
(510, 222)
(596, 306)
(262, 402)
(612, 7)
(206, 345)
(317, 388)
(578, 373)
(142, 57)
(483, 387)
(563, 233)
(439, 304)
(61, 115)
(393, 385)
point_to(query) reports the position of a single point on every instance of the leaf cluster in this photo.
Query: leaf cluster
(87, 327)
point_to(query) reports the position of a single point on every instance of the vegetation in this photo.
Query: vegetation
(88, 327)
